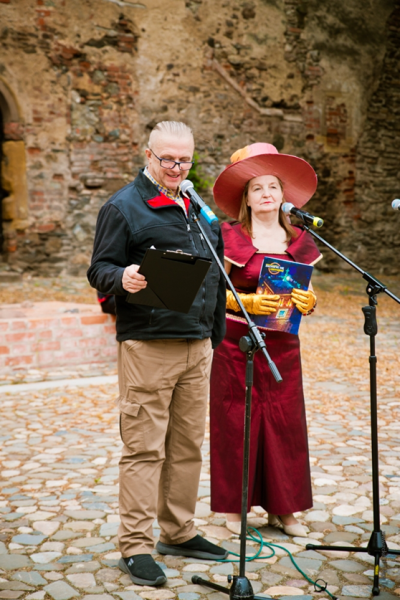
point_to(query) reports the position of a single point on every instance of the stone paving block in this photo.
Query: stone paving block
(84, 567)
(82, 580)
(82, 515)
(60, 590)
(49, 567)
(109, 529)
(74, 559)
(31, 578)
(15, 585)
(12, 562)
(45, 557)
(357, 591)
(298, 597)
(349, 566)
(309, 565)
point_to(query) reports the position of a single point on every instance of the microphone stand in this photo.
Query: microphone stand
(377, 546)
(241, 588)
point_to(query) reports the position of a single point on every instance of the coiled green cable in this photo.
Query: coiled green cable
(259, 539)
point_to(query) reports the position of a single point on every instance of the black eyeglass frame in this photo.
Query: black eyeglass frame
(176, 162)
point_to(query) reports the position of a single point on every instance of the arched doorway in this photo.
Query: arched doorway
(13, 186)
(3, 193)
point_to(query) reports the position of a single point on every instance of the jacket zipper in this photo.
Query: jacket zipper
(203, 298)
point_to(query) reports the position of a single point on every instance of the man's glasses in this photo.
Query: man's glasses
(167, 163)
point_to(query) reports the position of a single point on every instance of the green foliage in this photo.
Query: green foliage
(197, 176)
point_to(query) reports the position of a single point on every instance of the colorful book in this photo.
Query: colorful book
(280, 277)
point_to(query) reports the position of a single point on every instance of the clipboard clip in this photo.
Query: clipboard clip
(179, 255)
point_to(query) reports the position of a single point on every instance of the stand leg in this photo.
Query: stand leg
(377, 546)
(375, 587)
(241, 588)
(246, 454)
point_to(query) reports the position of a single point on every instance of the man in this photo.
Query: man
(164, 357)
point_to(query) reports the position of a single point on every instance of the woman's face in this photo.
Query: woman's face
(264, 195)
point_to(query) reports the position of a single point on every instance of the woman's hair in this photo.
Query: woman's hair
(172, 128)
(245, 215)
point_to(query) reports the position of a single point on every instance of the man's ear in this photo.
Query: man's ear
(148, 153)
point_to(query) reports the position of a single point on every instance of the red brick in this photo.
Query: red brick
(94, 353)
(47, 334)
(70, 333)
(45, 227)
(94, 320)
(43, 346)
(4, 350)
(15, 361)
(93, 331)
(110, 329)
(68, 321)
(18, 325)
(70, 354)
(3, 325)
(110, 351)
(43, 323)
(19, 349)
(68, 343)
(91, 342)
(20, 337)
(46, 358)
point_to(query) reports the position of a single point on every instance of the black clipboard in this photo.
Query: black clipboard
(173, 279)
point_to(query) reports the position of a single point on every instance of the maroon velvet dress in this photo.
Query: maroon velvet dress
(279, 473)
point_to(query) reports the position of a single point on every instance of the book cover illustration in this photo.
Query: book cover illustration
(279, 276)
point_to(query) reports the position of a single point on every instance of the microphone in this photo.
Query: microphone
(288, 207)
(188, 191)
(396, 204)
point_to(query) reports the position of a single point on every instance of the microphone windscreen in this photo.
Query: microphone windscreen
(396, 204)
(287, 207)
(186, 185)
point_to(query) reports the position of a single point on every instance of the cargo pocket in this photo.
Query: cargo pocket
(130, 425)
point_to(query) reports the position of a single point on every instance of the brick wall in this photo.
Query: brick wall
(318, 80)
(49, 335)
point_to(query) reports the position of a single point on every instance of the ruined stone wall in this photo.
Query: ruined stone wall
(91, 77)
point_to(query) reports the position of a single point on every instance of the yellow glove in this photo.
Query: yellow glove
(305, 300)
(256, 304)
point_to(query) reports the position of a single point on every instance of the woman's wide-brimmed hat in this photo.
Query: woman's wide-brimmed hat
(297, 176)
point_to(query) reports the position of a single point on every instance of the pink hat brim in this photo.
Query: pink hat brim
(297, 175)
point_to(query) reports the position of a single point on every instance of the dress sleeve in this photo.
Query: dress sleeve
(237, 249)
(303, 249)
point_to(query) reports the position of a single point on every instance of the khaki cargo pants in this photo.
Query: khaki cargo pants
(164, 387)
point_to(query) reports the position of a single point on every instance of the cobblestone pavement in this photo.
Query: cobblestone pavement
(59, 481)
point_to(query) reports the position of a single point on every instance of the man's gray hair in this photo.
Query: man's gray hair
(172, 128)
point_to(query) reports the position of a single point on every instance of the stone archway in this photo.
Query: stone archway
(13, 185)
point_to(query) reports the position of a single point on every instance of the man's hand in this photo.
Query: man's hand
(132, 281)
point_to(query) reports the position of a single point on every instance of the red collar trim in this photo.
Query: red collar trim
(161, 201)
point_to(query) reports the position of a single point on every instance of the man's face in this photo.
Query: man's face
(174, 148)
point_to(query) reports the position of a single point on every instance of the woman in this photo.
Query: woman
(252, 190)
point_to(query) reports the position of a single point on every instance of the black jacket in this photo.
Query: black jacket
(134, 219)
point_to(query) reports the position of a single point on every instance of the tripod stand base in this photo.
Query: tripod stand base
(377, 547)
(240, 589)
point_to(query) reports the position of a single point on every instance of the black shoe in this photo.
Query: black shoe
(197, 547)
(142, 569)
